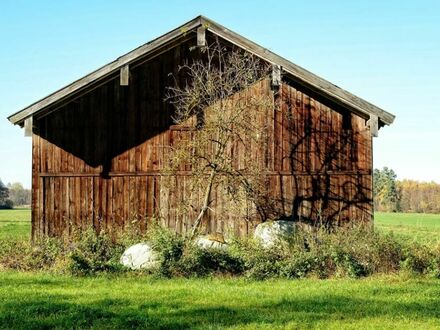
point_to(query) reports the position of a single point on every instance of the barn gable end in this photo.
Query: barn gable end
(100, 144)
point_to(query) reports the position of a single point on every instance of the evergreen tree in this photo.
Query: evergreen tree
(4, 194)
(386, 194)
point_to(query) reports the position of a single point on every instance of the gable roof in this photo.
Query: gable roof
(295, 72)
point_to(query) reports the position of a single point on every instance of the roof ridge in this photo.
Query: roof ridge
(297, 73)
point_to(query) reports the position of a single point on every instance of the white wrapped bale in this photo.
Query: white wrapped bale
(274, 232)
(139, 256)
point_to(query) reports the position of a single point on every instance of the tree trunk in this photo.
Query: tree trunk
(205, 205)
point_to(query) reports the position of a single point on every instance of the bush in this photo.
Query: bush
(258, 262)
(434, 267)
(44, 255)
(198, 261)
(353, 252)
(169, 245)
(91, 253)
(13, 253)
(299, 266)
(347, 264)
(356, 252)
(22, 255)
(417, 259)
(179, 256)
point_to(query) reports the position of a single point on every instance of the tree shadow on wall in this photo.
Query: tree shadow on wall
(326, 176)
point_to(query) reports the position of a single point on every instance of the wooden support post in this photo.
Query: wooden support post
(276, 75)
(125, 75)
(201, 36)
(373, 125)
(28, 124)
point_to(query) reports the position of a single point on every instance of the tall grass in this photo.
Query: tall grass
(354, 252)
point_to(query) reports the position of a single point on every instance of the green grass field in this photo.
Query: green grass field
(43, 301)
(424, 228)
(39, 301)
(15, 224)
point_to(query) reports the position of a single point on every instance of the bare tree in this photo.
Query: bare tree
(18, 195)
(223, 105)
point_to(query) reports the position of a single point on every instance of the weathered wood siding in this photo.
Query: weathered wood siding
(98, 160)
(323, 159)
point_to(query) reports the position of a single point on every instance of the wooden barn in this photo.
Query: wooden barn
(99, 145)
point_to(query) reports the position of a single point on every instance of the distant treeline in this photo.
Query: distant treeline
(392, 195)
(14, 195)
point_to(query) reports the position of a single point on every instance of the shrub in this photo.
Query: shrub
(22, 255)
(169, 245)
(357, 251)
(179, 256)
(298, 266)
(383, 253)
(132, 233)
(13, 254)
(256, 262)
(353, 252)
(348, 264)
(198, 261)
(434, 267)
(90, 253)
(417, 259)
(44, 255)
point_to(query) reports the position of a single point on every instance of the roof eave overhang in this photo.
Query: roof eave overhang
(303, 76)
(106, 70)
(297, 73)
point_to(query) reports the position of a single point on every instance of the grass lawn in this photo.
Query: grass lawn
(43, 301)
(15, 223)
(411, 226)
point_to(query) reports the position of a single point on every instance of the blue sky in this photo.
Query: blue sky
(387, 52)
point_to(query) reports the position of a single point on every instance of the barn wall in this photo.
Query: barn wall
(102, 148)
(98, 160)
(323, 159)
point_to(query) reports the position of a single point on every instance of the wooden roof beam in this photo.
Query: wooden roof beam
(373, 125)
(201, 36)
(124, 75)
(276, 75)
(28, 126)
